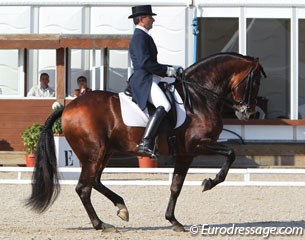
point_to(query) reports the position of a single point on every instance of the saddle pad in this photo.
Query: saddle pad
(133, 116)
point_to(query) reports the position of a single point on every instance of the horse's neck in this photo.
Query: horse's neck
(208, 89)
(210, 86)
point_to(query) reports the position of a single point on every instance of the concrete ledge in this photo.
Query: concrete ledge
(259, 154)
(11, 158)
(268, 148)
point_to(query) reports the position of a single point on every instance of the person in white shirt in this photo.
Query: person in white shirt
(42, 90)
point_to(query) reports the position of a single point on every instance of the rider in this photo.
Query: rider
(147, 74)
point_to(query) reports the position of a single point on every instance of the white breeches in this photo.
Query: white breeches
(157, 97)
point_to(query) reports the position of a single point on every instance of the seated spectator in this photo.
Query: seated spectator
(82, 84)
(42, 90)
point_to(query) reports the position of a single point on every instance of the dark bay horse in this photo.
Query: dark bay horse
(93, 126)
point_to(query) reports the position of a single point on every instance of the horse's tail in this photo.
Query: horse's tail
(45, 185)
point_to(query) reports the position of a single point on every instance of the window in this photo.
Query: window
(269, 39)
(9, 84)
(79, 65)
(217, 35)
(118, 73)
(41, 61)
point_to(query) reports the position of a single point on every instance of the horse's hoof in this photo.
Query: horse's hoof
(178, 228)
(108, 228)
(123, 214)
(206, 184)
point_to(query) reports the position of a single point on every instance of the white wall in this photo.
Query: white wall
(12, 20)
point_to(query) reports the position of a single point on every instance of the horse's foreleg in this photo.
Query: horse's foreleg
(84, 188)
(180, 172)
(209, 183)
(117, 200)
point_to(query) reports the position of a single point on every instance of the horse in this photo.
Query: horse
(93, 126)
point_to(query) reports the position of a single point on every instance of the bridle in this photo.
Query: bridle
(246, 99)
(244, 102)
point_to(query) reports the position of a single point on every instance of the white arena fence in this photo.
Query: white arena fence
(166, 171)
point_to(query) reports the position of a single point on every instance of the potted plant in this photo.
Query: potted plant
(147, 162)
(30, 140)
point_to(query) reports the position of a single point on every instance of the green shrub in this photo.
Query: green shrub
(57, 124)
(31, 137)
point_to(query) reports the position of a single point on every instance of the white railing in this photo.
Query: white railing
(166, 171)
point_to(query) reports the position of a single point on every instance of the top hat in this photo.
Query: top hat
(141, 10)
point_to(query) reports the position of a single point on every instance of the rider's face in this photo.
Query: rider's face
(147, 22)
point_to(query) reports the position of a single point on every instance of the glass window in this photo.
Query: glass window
(41, 62)
(302, 68)
(269, 40)
(217, 35)
(118, 72)
(9, 84)
(79, 66)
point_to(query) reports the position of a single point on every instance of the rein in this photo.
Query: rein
(247, 95)
(187, 99)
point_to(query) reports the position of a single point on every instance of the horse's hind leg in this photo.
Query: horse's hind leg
(84, 188)
(117, 200)
(209, 183)
(180, 172)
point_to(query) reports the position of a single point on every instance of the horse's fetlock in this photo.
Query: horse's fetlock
(221, 176)
(78, 189)
(169, 217)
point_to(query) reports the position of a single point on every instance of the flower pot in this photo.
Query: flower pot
(147, 162)
(30, 160)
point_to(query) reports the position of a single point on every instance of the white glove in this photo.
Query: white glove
(171, 72)
(179, 70)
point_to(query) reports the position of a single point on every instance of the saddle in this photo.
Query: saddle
(175, 117)
(168, 90)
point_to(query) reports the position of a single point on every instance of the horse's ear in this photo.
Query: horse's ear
(260, 67)
(262, 70)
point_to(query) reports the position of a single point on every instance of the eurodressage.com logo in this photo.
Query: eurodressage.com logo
(265, 232)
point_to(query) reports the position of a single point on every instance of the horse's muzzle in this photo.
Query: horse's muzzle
(243, 112)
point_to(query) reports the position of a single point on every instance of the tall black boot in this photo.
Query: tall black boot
(146, 146)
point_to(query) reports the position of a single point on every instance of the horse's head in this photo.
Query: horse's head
(244, 90)
(214, 77)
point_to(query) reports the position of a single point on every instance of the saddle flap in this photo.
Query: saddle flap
(133, 116)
